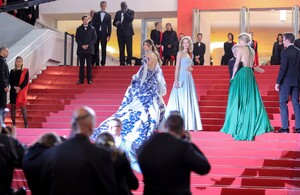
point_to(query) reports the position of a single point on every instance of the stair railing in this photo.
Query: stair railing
(66, 46)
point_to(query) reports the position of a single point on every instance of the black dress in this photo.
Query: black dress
(276, 53)
(14, 80)
(227, 53)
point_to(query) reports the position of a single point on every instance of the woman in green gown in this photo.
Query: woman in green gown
(246, 116)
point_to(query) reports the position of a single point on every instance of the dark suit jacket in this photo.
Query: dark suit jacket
(297, 43)
(289, 72)
(166, 163)
(105, 24)
(169, 38)
(125, 177)
(199, 51)
(33, 162)
(78, 167)
(9, 160)
(86, 37)
(4, 82)
(155, 37)
(124, 28)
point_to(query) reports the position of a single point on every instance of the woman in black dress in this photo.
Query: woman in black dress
(277, 48)
(18, 81)
(169, 42)
(227, 49)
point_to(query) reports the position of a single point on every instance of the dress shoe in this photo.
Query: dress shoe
(79, 82)
(283, 130)
(297, 131)
(90, 82)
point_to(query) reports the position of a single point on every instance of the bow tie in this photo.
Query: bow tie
(102, 12)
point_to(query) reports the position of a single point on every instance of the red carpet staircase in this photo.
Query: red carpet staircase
(270, 165)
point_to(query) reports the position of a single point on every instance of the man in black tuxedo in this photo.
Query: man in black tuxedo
(102, 24)
(77, 166)
(4, 82)
(288, 82)
(85, 38)
(167, 159)
(297, 41)
(123, 21)
(199, 50)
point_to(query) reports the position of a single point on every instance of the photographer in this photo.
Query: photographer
(167, 159)
(11, 153)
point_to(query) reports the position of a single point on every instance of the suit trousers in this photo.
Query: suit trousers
(284, 93)
(102, 39)
(88, 59)
(122, 41)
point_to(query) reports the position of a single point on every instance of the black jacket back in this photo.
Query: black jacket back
(166, 163)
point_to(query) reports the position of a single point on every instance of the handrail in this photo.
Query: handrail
(65, 48)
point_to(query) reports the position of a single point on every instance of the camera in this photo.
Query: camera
(186, 136)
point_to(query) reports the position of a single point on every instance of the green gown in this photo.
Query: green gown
(246, 116)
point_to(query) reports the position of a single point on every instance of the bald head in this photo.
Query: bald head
(83, 121)
(4, 52)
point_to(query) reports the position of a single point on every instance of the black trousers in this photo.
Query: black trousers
(101, 39)
(122, 41)
(284, 93)
(88, 59)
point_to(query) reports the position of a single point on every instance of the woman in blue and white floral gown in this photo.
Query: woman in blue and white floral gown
(142, 108)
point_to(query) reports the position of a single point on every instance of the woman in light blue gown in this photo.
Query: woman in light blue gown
(142, 108)
(183, 96)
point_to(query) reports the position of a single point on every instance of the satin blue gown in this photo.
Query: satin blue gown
(184, 99)
(141, 111)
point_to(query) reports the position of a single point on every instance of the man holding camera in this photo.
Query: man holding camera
(123, 22)
(167, 159)
(4, 82)
(11, 156)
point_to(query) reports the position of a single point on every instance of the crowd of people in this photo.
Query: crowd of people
(15, 82)
(27, 14)
(77, 166)
(129, 139)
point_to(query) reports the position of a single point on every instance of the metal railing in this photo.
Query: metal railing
(66, 48)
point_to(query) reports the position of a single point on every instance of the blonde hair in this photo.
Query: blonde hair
(18, 58)
(245, 37)
(190, 49)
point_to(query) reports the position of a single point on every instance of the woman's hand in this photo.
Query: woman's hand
(259, 69)
(17, 89)
(190, 69)
(176, 84)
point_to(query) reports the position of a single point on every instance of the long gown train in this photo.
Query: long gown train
(246, 116)
(141, 110)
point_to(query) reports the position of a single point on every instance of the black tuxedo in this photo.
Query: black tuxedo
(4, 82)
(103, 30)
(78, 167)
(297, 43)
(166, 163)
(124, 33)
(199, 51)
(289, 81)
(85, 36)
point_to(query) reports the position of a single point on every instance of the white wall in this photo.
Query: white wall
(68, 9)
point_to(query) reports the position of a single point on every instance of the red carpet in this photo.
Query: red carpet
(270, 165)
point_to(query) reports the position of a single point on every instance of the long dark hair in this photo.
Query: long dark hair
(231, 36)
(150, 43)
